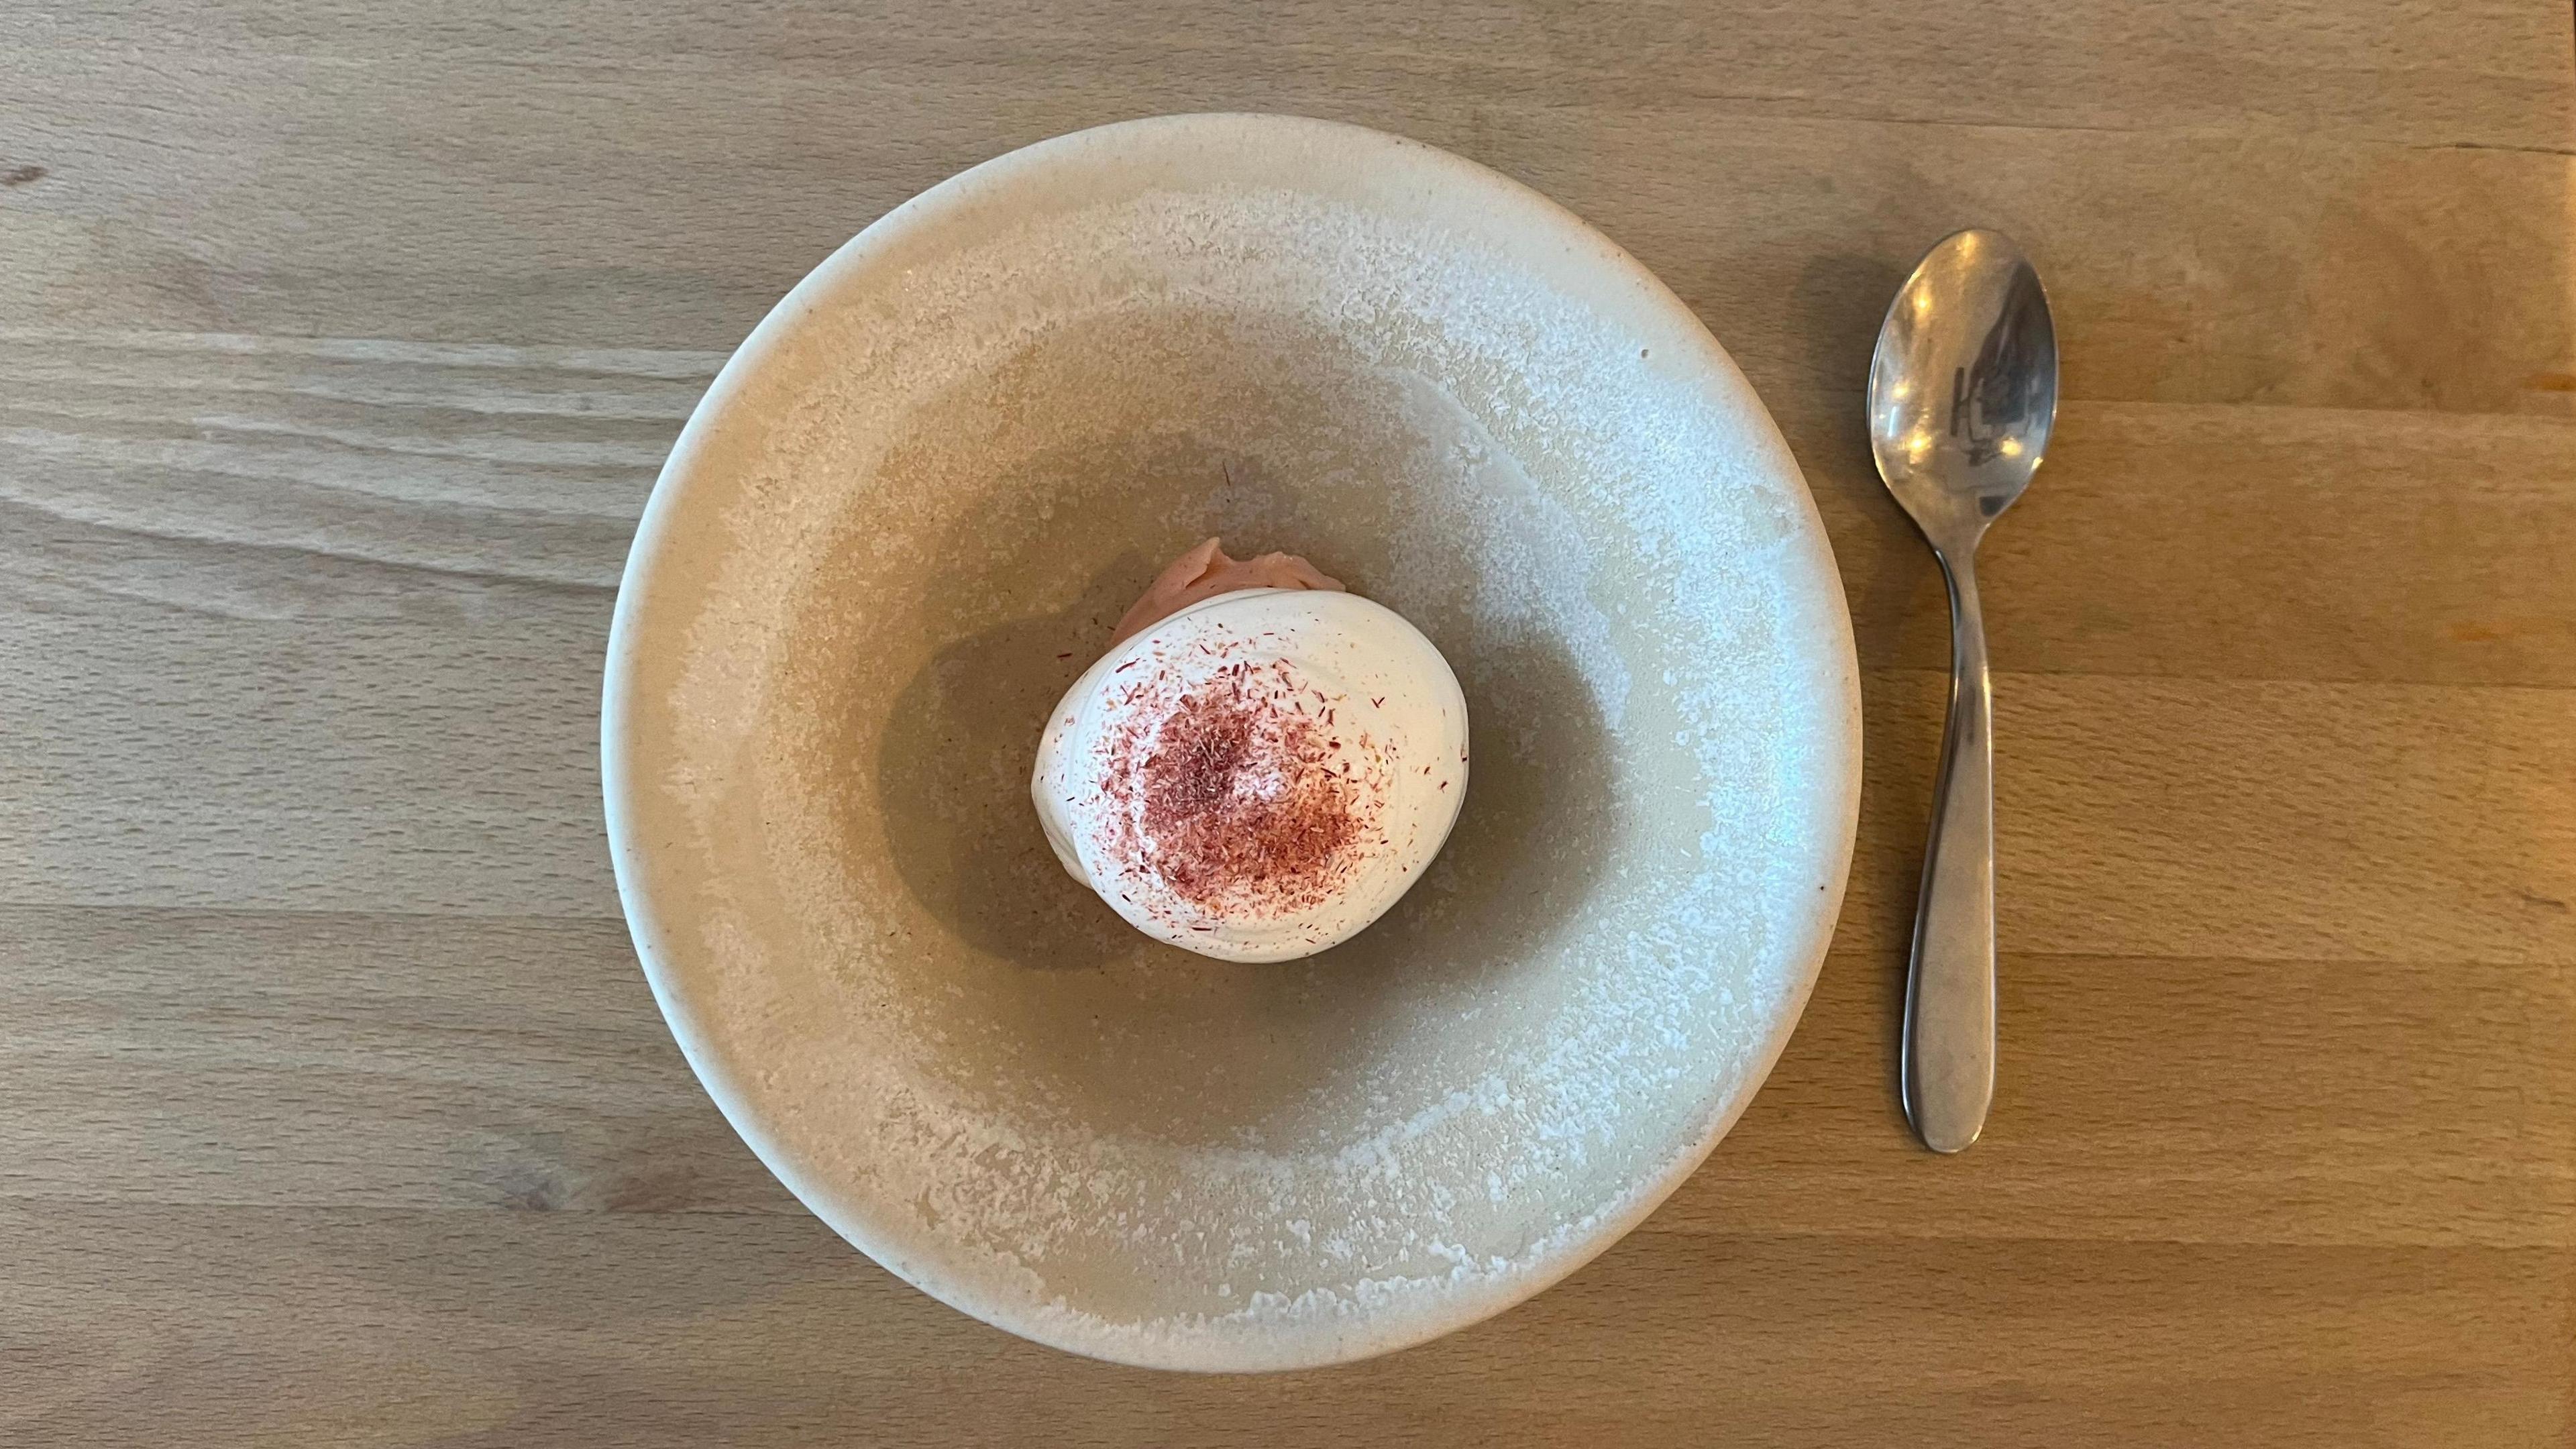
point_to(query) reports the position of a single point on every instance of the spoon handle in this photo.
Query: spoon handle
(1948, 1070)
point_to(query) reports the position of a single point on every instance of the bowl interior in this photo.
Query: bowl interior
(904, 521)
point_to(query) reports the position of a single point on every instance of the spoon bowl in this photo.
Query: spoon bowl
(1963, 386)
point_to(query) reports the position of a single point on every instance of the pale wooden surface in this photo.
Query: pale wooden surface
(339, 343)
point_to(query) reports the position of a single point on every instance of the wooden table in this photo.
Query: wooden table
(339, 344)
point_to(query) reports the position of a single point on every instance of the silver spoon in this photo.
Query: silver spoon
(1962, 392)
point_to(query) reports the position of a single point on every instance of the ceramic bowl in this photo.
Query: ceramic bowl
(903, 519)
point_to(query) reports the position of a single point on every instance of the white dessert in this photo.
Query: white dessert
(1259, 775)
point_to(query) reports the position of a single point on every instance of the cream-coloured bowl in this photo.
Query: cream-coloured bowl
(901, 523)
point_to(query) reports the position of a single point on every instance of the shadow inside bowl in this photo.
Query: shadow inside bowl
(1145, 1037)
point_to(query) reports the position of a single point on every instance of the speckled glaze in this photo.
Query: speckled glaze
(903, 520)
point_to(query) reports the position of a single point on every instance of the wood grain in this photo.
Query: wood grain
(339, 344)
(489, 1328)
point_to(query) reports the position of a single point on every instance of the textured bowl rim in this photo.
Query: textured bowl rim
(1407, 1322)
